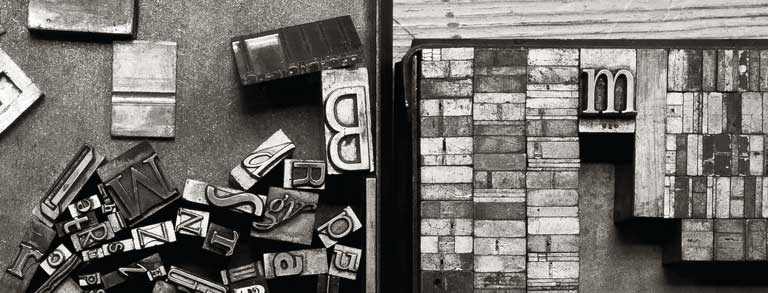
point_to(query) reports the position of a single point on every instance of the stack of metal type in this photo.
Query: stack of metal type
(123, 225)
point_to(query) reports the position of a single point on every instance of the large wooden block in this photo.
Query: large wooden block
(237, 200)
(115, 18)
(134, 271)
(192, 222)
(709, 71)
(136, 182)
(144, 89)
(345, 262)
(347, 109)
(17, 92)
(296, 263)
(295, 50)
(339, 227)
(34, 244)
(694, 243)
(685, 70)
(304, 174)
(729, 239)
(69, 183)
(755, 241)
(253, 270)
(290, 216)
(450, 281)
(752, 112)
(193, 282)
(220, 240)
(153, 235)
(164, 287)
(727, 70)
(259, 162)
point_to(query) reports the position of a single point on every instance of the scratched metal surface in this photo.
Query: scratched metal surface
(217, 122)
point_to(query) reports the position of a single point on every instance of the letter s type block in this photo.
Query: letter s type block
(22, 267)
(257, 164)
(346, 104)
(137, 184)
(68, 185)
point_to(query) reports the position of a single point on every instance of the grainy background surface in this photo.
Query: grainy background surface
(216, 122)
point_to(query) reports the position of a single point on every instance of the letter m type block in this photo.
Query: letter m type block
(137, 184)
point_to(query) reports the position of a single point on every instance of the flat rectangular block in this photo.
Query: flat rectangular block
(685, 70)
(446, 174)
(500, 84)
(192, 282)
(729, 240)
(347, 111)
(220, 240)
(748, 70)
(339, 227)
(557, 270)
(695, 242)
(727, 70)
(440, 89)
(553, 243)
(115, 18)
(755, 241)
(709, 70)
(553, 75)
(509, 162)
(553, 57)
(553, 225)
(499, 211)
(441, 227)
(499, 246)
(499, 263)
(133, 271)
(192, 222)
(289, 217)
(752, 112)
(153, 235)
(552, 197)
(17, 92)
(33, 245)
(122, 175)
(296, 263)
(202, 193)
(345, 261)
(262, 160)
(499, 228)
(445, 282)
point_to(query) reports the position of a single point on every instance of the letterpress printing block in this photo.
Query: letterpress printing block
(249, 271)
(192, 282)
(737, 197)
(729, 240)
(55, 259)
(692, 155)
(156, 273)
(669, 193)
(78, 223)
(290, 216)
(89, 237)
(85, 205)
(192, 222)
(116, 221)
(136, 270)
(758, 213)
(61, 272)
(164, 287)
(694, 243)
(304, 174)
(153, 235)
(748, 70)
(698, 197)
(91, 254)
(338, 227)
(605, 62)
(114, 18)
(345, 261)
(741, 154)
(749, 197)
(220, 240)
(259, 162)
(708, 155)
(144, 89)
(682, 197)
(727, 70)
(107, 205)
(236, 200)
(722, 147)
(118, 247)
(89, 280)
(256, 288)
(681, 159)
(328, 284)
(710, 197)
(752, 112)
(349, 144)
(688, 112)
(137, 183)
(685, 70)
(17, 94)
(764, 188)
(674, 113)
(714, 112)
(756, 149)
(732, 102)
(709, 71)
(722, 197)
(69, 183)
(755, 241)
(296, 263)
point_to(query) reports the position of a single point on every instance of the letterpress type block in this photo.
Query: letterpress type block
(290, 216)
(755, 241)
(153, 235)
(192, 282)
(296, 263)
(55, 259)
(17, 92)
(89, 237)
(345, 262)
(340, 226)
(236, 200)
(136, 182)
(220, 240)
(137, 270)
(695, 242)
(192, 222)
(243, 278)
(164, 287)
(91, 254)
(346, 104)
(89, 280)
(297, 50)
(76, 224)
(328, 284)
(144, 89)
(115, 18)
(85, 205)
(257, 164)
(255, 288)
(70, 286)
(118, 247)
(69, 183)
(729, 239)
(304, 174)
(62, 268)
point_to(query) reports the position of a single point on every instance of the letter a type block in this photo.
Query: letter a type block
(339, 227)
(257, 164)
(17, 92)
(304, 174)
(296, 263)
(22, 267)
(346, 104)
(137, 184)
(345, 261)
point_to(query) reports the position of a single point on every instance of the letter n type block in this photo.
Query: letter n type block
(192, 222)
(153, 235)
(221, 240)
(17, 92)
(296, 263)
(340, 226)
(346, 104)
(23, 265)
(137, 183)
(345, 261)
(304, 174)
(257, 164)
(70, 182)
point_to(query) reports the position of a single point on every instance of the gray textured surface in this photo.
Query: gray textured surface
(215, 129)
(620, 259)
